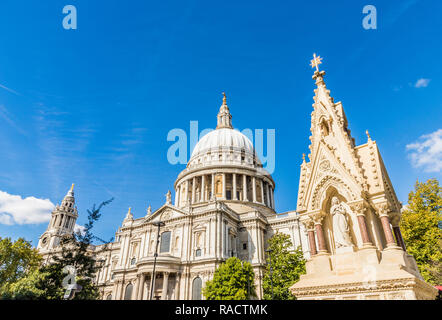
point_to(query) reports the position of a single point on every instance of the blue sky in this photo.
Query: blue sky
(94, 105)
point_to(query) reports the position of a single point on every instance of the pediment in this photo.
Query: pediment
(166, 213)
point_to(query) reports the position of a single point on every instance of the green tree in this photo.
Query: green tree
(233, 280)
(287, 266)
(77, 252)
(19, 264)
(421, 229)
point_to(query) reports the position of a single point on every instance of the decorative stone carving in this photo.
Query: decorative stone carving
(166, 215)
(324, 165)
(359, 208)
(383, 209)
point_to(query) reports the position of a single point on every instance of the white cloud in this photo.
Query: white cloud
(426, 153)
(422, 83)
(78, 228)
(16, 210)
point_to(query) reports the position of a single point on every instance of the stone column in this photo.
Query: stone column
(309, 226)
(149, 287)
(262, 191)
(186, 194)
(312, 242)
(360, 210)
(135, 288)
(364, 232)
(213, 186)
(399, 240)
(177, 196)
(320, 232)
(269, 204)
(254, 188)
(141, 287)
(193, 189)
(165, 285)
(203, 188)
(63, 220)
(387, 230)
(224, 186)
(244, 187)
(384, 210)
(177, 286)
(234, 196)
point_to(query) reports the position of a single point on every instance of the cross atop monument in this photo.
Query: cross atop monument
(317, 60)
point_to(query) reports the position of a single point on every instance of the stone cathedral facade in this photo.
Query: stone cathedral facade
(224, 206)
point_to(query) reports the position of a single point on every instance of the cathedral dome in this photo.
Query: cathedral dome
(224, 145)
(224, 166)
(224, 138)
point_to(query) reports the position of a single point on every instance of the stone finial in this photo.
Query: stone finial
(303, 157)
(129, 215)
(368, 135)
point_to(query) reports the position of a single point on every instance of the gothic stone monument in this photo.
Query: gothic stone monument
(351, 213)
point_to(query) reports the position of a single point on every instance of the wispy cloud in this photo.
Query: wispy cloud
(5, 115)
(9, 89)
(63, 143)
(426, 153)
(422, 83)
(30, 210)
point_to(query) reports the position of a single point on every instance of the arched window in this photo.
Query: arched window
(128, 293)
(196, 288)
(165, 241)
(198, 253)
(109, 297)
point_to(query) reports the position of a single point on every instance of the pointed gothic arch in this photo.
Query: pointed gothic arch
(320, 191)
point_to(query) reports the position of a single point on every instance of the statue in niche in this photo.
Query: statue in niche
(341, 230)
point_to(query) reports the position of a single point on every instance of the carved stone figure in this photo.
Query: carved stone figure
(339, 211)
(168, 197)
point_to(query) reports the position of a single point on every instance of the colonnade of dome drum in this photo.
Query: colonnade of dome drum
(225, 186)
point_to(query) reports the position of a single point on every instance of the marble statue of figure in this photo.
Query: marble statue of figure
(341, 230)
(168, 197)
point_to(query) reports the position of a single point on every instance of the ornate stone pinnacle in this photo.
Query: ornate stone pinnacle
(224, 116)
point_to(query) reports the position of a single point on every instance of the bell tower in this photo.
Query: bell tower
(62, 222)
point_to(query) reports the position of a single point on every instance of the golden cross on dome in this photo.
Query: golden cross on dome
(317, 60)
